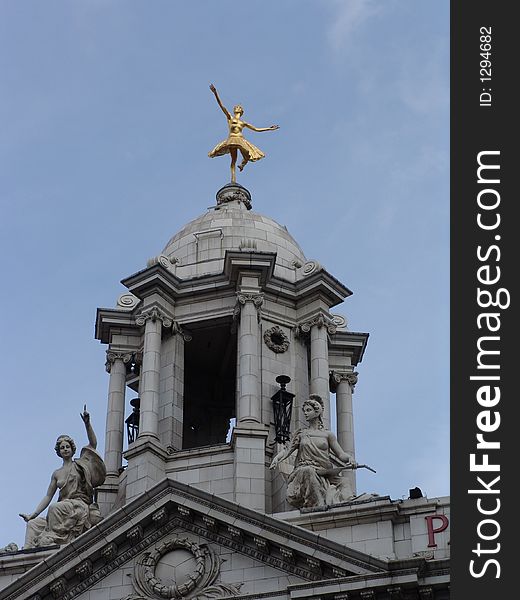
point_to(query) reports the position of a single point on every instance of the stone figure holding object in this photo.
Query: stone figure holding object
(315, 479)
(75, 510)
(235, 141)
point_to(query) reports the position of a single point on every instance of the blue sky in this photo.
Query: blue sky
(107, 119)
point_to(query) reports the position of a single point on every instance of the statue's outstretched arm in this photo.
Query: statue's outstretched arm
(272, 128)
(219, 102)
(92, 439)
(46, 500)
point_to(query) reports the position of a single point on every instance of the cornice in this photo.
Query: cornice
(170, 506)
(158, 279)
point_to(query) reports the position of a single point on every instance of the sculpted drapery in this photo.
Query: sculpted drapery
(75, 510)
(313, 481)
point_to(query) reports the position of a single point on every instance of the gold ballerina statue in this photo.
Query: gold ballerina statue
(236, 140)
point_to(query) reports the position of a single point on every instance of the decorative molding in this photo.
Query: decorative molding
(276, 340)
(262, 545)
(58, 587)
(426, 593)
(178, 330)
(113, 355)
(291, 538)
(337, 572)
(234, 192)
(84, 569)
(336, 377)
(286, 562)
(154, 314)
(117, 560)
(128, 301)
(186, 513)
(235, 533)
(319, 321)
(159, 516)
(163, 260)
(200, 583)
(109, 552)
(115, 557)
(339, 321)
(210, 523)
(288, 554)
(310, 267)
(426, 554)
(135, 534)
(314, 564)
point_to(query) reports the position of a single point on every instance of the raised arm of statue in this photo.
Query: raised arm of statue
(219, 101)
(85, 416)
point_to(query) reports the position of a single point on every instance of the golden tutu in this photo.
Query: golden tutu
(240, 143)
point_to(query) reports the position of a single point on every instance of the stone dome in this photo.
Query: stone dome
(200, 247)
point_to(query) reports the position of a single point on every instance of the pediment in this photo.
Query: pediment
(171, 515)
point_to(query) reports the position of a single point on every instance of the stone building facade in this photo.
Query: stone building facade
(190, 506)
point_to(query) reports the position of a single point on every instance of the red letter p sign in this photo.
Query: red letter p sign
(432, 531)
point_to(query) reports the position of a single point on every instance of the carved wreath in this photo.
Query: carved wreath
(200, 583)
(276, 339)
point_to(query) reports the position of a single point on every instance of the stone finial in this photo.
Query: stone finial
(234, 192)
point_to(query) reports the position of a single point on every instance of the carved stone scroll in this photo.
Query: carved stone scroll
(154, 314)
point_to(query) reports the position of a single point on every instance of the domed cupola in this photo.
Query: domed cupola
(200, 247)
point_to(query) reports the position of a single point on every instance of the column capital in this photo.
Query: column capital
(320, 320)
(154, 314)
(113, 355)
(337, 377)
(256, 298)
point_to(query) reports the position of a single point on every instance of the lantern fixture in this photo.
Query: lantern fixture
(132, 422)
(282, 409)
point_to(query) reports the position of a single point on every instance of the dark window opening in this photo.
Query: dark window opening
(210, 366)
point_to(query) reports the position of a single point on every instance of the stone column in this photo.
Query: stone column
(319, 327)
(249, 407)
(149, 385)
(115, 424)
(343, 384)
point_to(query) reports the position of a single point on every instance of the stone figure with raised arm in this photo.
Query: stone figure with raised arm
(315, 479)
(75, 510)
(235, 141)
